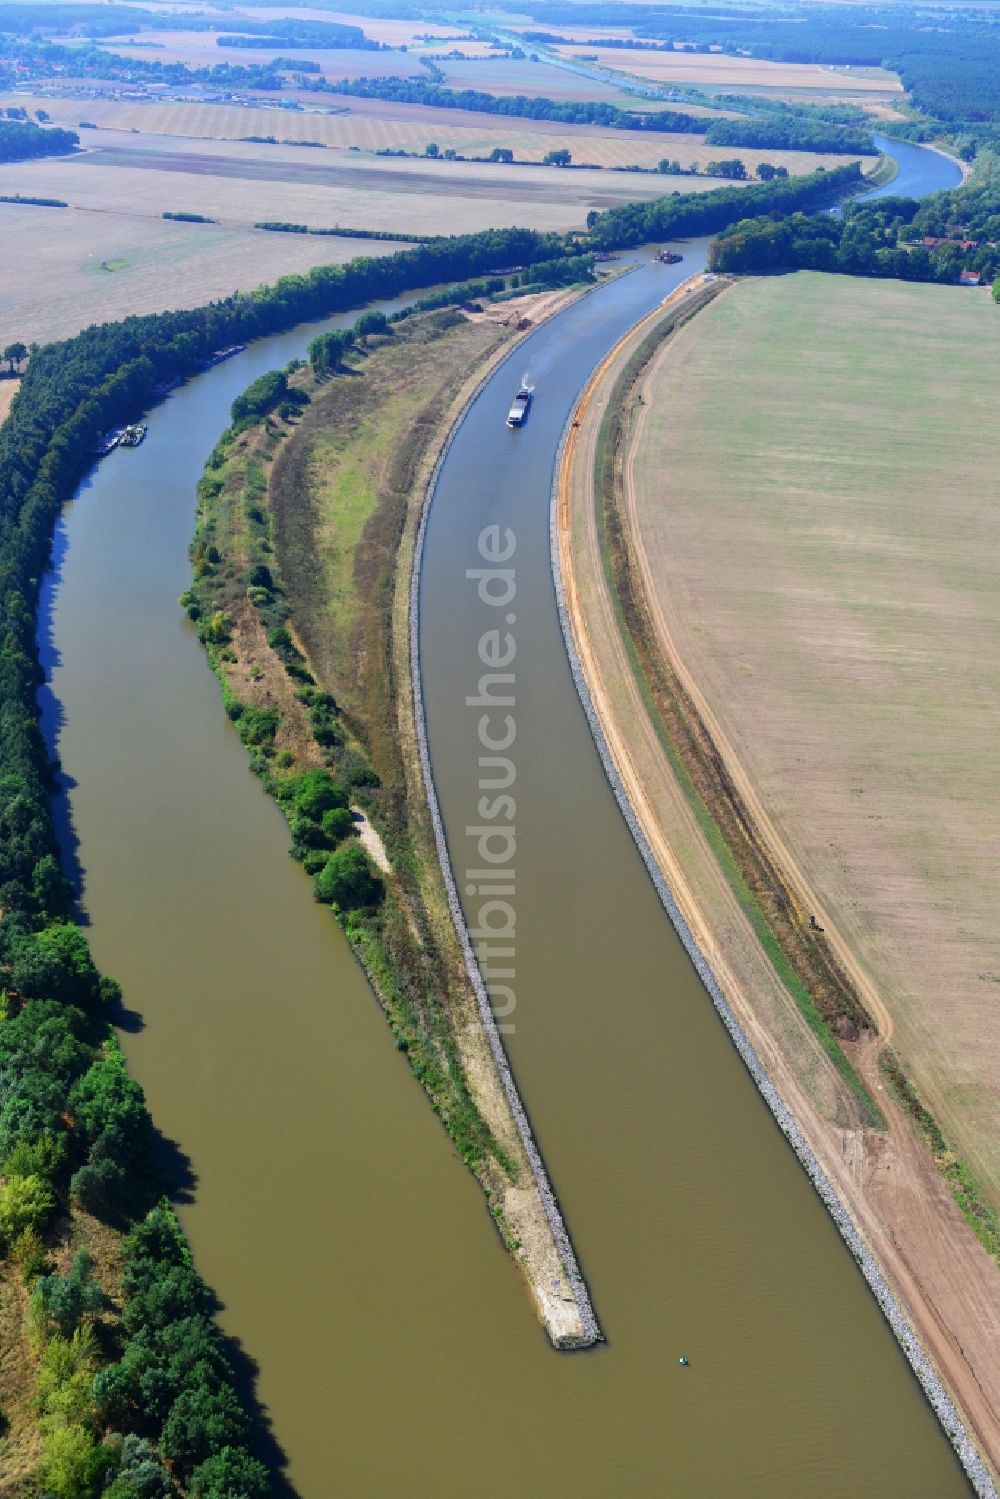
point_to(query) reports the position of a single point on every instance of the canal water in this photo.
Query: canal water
(355, 1259)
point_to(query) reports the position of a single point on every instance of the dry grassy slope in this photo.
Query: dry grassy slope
(816, 496)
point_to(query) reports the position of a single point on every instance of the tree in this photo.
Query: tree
(370, 323)
(55, 963)
(140, 1472)
(202, 1422)
(432, 149)
(561, 158)
(260, 397)
(501, 153)
(731, 167)
(71, 1462)
(230, 1474)
(14, 353)
(346, 880)
(107, 1098)
(172, 1292)
(67, 1298)
(315, 792)
(338, 823)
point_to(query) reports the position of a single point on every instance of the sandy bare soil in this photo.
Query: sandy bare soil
(947, 1283)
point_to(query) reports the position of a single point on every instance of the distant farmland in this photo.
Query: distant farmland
(816, 494)
(53, 283)
(715, 70)
(375, 125)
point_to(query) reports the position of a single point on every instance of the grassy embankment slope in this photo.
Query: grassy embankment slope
(327, 501)
(798, 546)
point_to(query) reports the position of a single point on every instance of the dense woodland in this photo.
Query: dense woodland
(318, 35)
(883, 238)
(26, 142)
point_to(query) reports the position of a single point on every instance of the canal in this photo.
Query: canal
(354, 1256)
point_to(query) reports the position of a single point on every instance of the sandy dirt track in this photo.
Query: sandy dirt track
(946, 1282)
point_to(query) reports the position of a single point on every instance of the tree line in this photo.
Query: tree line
(707, 213)
(790, 130)
(521, 106)
(790, 133)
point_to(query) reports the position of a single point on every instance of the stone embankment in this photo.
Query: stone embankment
(584, 1330)
(968, 1454)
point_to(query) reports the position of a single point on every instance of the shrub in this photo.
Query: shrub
(314, 792)
(140, 1475)
(25, 1204)
(66, 1299)
(72, 1463)
(258, 726)
(347, 882)
(338, 823)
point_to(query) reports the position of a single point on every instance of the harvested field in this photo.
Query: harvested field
(815, 493)
(8, 390)
(373, 125)
(197, 49)
(702, 69)
(54, 284)
(241, 182)
(892, 1185)
(521, 76)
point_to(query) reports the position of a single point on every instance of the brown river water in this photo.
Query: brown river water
(353, 1254)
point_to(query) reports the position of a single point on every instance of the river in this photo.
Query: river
(353, 1253)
